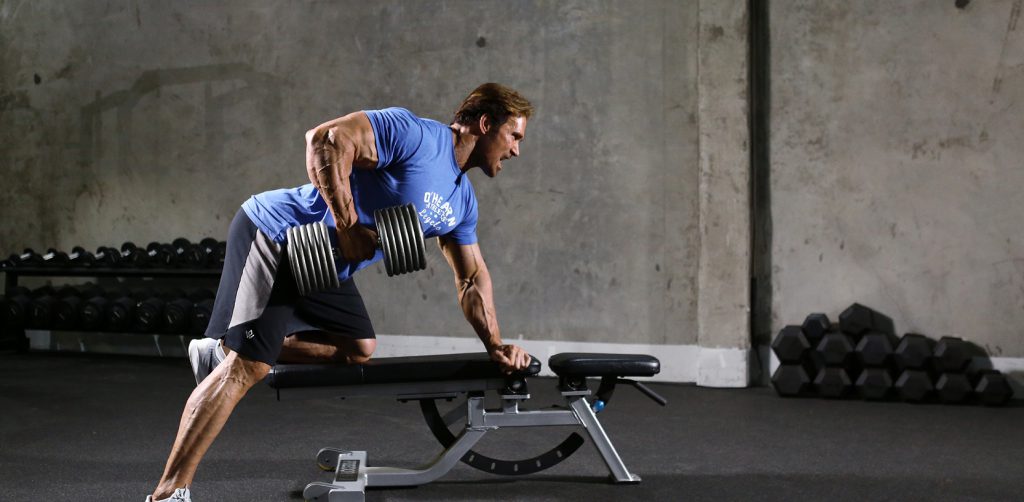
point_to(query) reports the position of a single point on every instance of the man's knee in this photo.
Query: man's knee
(249, 371)
(362, 350)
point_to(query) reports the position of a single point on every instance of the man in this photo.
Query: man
(357, 163)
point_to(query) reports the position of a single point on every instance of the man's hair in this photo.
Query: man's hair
(495, 101)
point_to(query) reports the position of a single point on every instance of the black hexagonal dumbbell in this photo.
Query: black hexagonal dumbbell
(857, 320)
(792, 379)
(815, 326)
(992, 388)
(834, 358)
(874, 384)
(833, 382)
(875, 349)
(914, 386)
(952, 354)
(953, 388)
(790, 345)
(835, 349)
(915, 351)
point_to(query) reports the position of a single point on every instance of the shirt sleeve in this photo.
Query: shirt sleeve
(397, 134)
(465, 232)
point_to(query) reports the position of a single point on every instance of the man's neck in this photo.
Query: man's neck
(464, 142)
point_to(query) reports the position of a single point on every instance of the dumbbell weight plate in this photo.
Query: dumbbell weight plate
(382, 237)
(316, 279)
(312, 262)
(332, 269)
(401, 242)
(294, 250)
(418, 253)
(421, 252)
(411, 250)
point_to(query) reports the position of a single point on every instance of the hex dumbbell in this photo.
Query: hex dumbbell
(857, 320)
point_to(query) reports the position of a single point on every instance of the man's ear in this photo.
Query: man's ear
(485, 123)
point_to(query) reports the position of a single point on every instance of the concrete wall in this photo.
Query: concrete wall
(896, 149)
(148, 120)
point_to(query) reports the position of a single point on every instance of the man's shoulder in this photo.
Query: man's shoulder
(397, 115)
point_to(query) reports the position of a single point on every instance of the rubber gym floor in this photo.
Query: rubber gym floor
(91, 427)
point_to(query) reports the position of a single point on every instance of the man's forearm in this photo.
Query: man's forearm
(477, 304)
(329, 166)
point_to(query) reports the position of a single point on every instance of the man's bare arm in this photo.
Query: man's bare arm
(332, 150)
(475, 294)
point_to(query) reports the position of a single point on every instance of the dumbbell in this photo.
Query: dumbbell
(107, 257)
(44, 306)
(399, 234)
(151, 308)
(80, 258)
(837, 364)
(857, 320)
(188, 255)
(133, 256)
(874, 354)
(200, 318)
(793, 342)
(15, 308)
(67, 306)
(40, 313)
(27, 258)
(792, 379)
(915, 351)
(833, 382)
(160, 255)
(992, 388)
(875, 349)
(874, 383)
(954, 388)
(178, 311)
(790, 345)
(214, 252)
(952, 354)
(55, 258)
(119, 312)
(835, 349)
(915, 385)
(815, 326)
(91, 313)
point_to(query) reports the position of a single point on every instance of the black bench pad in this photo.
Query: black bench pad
(598, 365)
(433, 368)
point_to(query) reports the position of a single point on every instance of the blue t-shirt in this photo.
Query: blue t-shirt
(416, 164)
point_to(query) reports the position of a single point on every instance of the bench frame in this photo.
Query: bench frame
(352, 475)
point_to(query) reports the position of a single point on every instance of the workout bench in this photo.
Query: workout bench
(429, 378)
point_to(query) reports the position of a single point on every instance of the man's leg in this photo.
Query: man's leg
(310, 347)
(205, 413)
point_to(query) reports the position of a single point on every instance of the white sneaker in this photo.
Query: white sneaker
(179, 495)
(204, 355)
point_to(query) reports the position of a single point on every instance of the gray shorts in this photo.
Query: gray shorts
(257, 304)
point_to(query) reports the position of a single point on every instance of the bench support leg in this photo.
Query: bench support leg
(604, 445)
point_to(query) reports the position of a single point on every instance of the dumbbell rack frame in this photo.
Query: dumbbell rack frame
(11, 276)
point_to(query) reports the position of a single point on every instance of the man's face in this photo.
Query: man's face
(500, 143)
